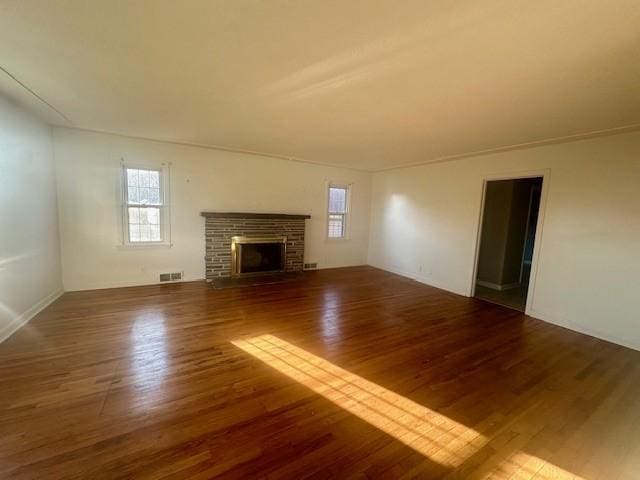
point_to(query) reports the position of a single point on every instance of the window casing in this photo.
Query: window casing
(145, 221)
(338, 211)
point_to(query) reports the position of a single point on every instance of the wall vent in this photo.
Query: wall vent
(311, 266)
(170, 277)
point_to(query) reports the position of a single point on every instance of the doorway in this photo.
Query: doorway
(507, 240)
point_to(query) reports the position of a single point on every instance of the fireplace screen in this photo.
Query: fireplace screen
(254, 255)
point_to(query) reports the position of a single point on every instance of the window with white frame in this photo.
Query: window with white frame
(338, 211)
(143, 205)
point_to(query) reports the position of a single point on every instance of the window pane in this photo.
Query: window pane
(155, 232)
(134, 215)
(336, 226)
(153, 216)
(145, 233)
(154, 196)
(143, 195)
(154, 179)
(132, 177)
(132, 195)
(144, 217)
(144, 223)
(144, 178)
(134, 233)
(337, 199)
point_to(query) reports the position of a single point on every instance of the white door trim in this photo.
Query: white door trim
(537, 244)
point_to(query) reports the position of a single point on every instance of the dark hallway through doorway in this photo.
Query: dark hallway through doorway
(507, 240)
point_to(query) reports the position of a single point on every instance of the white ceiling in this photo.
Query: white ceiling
(365, 84)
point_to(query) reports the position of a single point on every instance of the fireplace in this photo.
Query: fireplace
(255, 255)
(239, 244)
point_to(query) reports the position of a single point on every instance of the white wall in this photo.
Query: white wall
(29, 244)
(425, 222)
(88, 173)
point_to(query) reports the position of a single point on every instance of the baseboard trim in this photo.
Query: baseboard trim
(145, 283)
(497, 286)
(418, 278)
(543, 316)
(27, 315)
(126, 284)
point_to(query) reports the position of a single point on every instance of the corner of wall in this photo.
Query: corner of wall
(22, 319)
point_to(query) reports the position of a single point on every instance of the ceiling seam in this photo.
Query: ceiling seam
(461, 156)
(521, 146)
(32, 92)
(219, 148)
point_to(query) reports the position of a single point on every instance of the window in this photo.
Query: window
(338, 211)
(143, 205)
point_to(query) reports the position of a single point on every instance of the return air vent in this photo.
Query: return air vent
(310, 266)
(170, 277)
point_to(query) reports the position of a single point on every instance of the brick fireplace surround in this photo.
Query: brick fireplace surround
(221, 226)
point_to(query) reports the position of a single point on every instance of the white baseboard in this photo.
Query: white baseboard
(125, 284)
(498, 286)
(22, 319)
(634, 345)
(146, 282)
(419, 278)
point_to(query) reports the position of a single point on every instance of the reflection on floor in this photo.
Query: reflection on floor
(515, 298)
(437, 437)
(145, 382)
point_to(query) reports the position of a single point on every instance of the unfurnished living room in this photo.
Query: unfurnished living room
(246, 239)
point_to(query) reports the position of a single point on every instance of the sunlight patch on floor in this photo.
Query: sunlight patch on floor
(521, 465)
(437, 437)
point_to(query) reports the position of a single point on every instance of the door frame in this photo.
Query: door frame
(534, 189)
(545, 174)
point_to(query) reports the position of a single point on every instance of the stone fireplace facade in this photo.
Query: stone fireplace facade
(220, 227)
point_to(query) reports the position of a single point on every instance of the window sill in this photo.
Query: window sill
(336, 239)
(134, 246)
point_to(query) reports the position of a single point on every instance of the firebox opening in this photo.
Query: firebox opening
(252, 256)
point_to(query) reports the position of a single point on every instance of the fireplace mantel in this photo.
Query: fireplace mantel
(270, 216)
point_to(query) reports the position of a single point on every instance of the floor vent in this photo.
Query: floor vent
(310, 266)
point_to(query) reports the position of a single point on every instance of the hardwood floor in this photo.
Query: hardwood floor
(347, 373)
(515, 298)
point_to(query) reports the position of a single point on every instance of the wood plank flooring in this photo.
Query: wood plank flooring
(347, 373)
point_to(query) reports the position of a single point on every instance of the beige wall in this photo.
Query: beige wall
(88, 173)
(425, 222)
(29, 249)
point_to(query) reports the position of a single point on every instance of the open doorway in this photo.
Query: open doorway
(507, 238)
